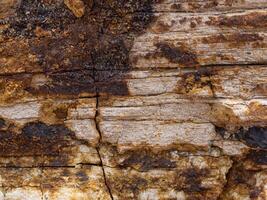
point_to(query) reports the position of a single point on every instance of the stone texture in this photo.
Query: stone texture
(145, 99)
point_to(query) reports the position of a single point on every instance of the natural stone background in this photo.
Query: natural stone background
(133, 99)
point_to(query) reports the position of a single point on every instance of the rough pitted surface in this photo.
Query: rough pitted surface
(131, 99)
(97, 44)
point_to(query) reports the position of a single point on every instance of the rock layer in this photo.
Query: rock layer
(116, 99)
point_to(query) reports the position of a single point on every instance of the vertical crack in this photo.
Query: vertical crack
(104, 174)
(227, 177)
(99, 142)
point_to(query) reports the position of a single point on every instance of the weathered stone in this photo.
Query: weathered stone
(76, 6)
(145, 99)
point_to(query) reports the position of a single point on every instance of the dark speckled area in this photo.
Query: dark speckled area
(94, 49)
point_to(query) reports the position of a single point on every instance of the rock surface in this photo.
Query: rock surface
(144, 99)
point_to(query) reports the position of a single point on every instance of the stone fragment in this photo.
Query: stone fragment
(76, 6)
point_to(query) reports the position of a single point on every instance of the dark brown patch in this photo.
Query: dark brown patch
(57, 160)
(146, 162)
(221, 131)
(202, 5)
(183, 20)
(67, 83)
(179, 55)
(258, 157)
(242, 178)
(211, 4)
(2, 123)
(61, 113)
(229, 2)
(94, 47)
(252, 20)
(233, 38)
(255, 193)
(8, 8)
(82, 176)
(255, 137)
(197, 80)
(35, 139)
(193, 179)
(161, 26)
(261, 89)
(195, 5)
(132, 184)
(65, 172)
(44, 14)
(176, 6)
(193, 25)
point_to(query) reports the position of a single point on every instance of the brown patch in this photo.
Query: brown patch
(236, 38)
(195, 82)
(61, 113)
(261, 89)
(94, 47)
(193, 25)
(77, 6)
(257, 110)
(65, 172)
(66, 83)
(221, 131)
(179, 55)
(242, 181)
(130, 184)
(12, 88)
(241, 175)
(55, 112)
(193, 177)
(229, 2)
(8, 8)
(82, 176)
(183, 20)
(252, 20)
(255, 193)
(145, 162)
(211, 4)
(225, 117)
(161, 26)
(35, 139)
(197, 6)
(176, 6)
(258, 156)
(191, 180)
(16, 56)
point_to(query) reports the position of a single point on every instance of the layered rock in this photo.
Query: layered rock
(133, 99)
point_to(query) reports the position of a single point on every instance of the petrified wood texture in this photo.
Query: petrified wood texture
(133, 99)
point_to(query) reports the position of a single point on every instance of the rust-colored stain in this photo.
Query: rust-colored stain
(35, 139)
(194, 82)
(252, 20)
(192, 180)
(56, 53)
(93, 48)
(235, 38)
(177, 55)
(144, 161)
(258, 156)
(242, 178)
(180, 55)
